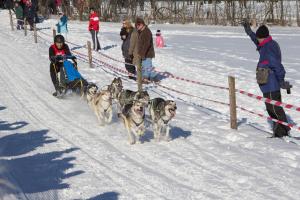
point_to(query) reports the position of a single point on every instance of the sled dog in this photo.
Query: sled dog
(128, 96)
(116, 87)
(102, 106)
(91, 91)
(161, 112)
(133, 116)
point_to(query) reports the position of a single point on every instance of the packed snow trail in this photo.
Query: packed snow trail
(54, 149)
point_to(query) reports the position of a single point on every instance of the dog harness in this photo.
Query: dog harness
(138, 124)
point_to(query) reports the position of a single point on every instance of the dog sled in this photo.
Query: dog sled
(70, 80)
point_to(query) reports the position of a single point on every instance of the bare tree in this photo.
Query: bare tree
(297, 10)
(201, 11)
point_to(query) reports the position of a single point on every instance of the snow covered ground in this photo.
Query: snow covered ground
(54, 149)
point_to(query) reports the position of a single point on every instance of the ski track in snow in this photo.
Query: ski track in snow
(205, 159)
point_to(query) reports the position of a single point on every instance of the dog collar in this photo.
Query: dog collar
(165, 121)
(137, 124)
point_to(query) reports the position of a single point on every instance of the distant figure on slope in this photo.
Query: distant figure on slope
(159, 40)
(62, 25)
(19, 16)
(270, 74)
(94, 29)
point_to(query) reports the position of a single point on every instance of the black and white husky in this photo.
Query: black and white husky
(116, 87)
(91, 92)
(128, 96)
(161, 112)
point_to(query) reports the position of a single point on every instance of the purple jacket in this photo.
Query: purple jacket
(269, 57)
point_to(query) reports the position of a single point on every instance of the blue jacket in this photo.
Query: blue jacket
(71, 72)
(269, 57)
(62, 26)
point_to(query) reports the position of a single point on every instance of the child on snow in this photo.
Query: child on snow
(159, 40)
(62, 25)
(19, 16)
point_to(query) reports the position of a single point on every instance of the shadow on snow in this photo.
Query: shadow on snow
(38, 172)
(106, 196)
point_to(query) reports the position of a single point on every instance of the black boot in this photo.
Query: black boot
(280, 130)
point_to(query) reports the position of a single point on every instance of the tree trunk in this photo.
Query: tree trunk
(281, 13)
(297, 10)
(153, 9)
(215, 13)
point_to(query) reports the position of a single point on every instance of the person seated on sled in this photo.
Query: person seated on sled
(56, 53)
(70, 78)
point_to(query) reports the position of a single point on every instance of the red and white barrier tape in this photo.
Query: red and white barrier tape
(269, 101)
(83, 56)
(243, 109)
(272, 119)
(169, 75)
(257, 97)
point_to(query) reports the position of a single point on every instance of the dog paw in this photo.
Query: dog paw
(138, 142)
(119, 115)
(132, 142)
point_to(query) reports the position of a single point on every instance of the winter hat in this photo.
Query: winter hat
(158, 33)
(59, 39)
(262, 32)
(139, 21)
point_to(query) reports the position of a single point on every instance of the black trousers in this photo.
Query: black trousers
(130, 68)
(96, 44)
(54, 69)
(20, 24)
(277, 112)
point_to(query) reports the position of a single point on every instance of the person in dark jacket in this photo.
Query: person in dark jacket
(125, 34)
(145, 50)
(9, 4)
(56, 52)
(270, 67)
(31, 10)
(19, 16)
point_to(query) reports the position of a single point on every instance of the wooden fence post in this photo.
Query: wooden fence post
(54, 33)
(232, 100)
(35, 33)
(25, 27)
(139, 77)
(90, 53)
(11, 20)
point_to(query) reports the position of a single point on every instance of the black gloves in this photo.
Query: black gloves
(59, 58)
(130, 57)
(246, 26)
(286, 85)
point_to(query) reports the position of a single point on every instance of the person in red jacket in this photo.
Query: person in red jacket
(59, 48)
(94, 29)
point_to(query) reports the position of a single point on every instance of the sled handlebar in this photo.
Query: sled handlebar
(64, 57)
